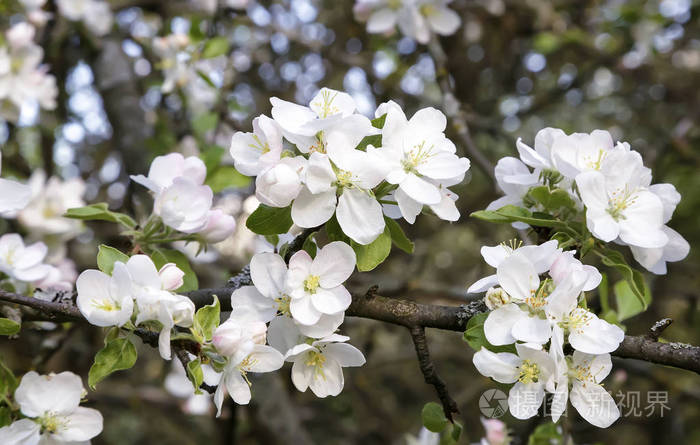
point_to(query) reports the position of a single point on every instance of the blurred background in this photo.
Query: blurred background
(629, 67)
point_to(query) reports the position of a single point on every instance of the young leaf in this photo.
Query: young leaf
(9, 327)
(117, 355)
(434, 417)
(398, 237)
(511, 213)
(163, 256)
(378, 122)
(195, 374)
(207, 319)
(100, 212)
(204, 122)
(267, 220)
(309, 245)
(107, 256)
(373, 254)
(635, 279)
(551, 200)
(215, 47)
(628, 305)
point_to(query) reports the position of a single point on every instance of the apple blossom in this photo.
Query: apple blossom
(531, 370)
(416, 151)
(319, 365)
(237, 336)
(496, 432)
(540, 158)
(584, 372)
(219, 226)
(279, 184)
(51, 405)
(165, 169)
(21, 262)
(253, 152)
(105, 300)
(316, 285)
(184, 205)
(96, 14)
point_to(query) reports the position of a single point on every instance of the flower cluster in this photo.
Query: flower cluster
(330, 172)
(304, 305)
(606, 181)
(23, 266)
(182, 200)
(417, 19)
(52, 415)
(95, 14)
(136, 292)
(532, 313)
(23, 79)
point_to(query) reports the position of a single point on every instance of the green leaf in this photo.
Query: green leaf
(8, 381)
(456, 431)
(100, 212)
(434, 417)
(9, 327)
(398, 237)
(211, 156)
(204, 122)
(215, 47)
(266, 220)
(374, 140)
(117, 355)
(5, 416)
(195, 374)
(511, 213)
(475, 337)
(107, 256)
(207, 319)
(370, 255)
(635, 279)
(551, 199)
(309, 245)
(225, 177)
(163, 256)
(545, 434)
(627, 303)
(378, 122)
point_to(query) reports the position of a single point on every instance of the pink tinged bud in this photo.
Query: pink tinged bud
(219, 226)
(277, 186)
(171, 277)
(496, 433)
(235, 335)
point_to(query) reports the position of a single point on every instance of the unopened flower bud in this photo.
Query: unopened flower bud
(496, 297)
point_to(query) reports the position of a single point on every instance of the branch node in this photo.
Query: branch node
(658, 327)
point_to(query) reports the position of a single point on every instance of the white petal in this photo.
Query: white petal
(326, 325)
(329, 382)
(82, 424)
(334, 264)
(309, 210)
(283, 334)
(13, 196)
(265, 359)
(59, 393)
(381, 21)
(594, 404)
(301, 375)
(20, 432)
(500, 366)
(408, 207)
(345, 354)
(143, 272)
(420, 190)
(360, 216)
(331, 301)
(499, 323)
(268, 272)
(304, 311)
(237, 387)
(596, 336)
(517, 276)
(643, 221)
(444, 21)
(525, 399)
(483, 284)
(591, 186)
(532, 329)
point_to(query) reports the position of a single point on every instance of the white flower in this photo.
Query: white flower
(13, 195)
(435, 16)
(359, 214)
(541, 157)
(235, 376)
(531, 370)
(515, 180)
(409, 208)
(319, 365)
(105, 300)
(584, 372)
(20, 262)
(629, 212)
(96, 15)
(176, 68)
(541, 256)
(171, 276)
(155, 302)
(219, 226)
(416, 151)
(20, 35)
(279, 184)
(236, 336)
(580, 152)
(184, 205)
(164, 170)
(316, 285)
(496, 432)
(565, 266)
(677, 248)
(51, 403)
(253, 152)
(50, 201)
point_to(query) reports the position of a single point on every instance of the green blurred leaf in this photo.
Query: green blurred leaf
(434, 417)
(117, 355)
(266, 220)
(368, 256)
(9, 327)
(107, 256)
(226, 176)
(8, 381)
(635, 279)
(195, 374)
(207, 319)
(215, 47)
(211, 156)
(545, 434)
(163, 256)
(204, 122)
(398, 236)
(627, 303)
(546, 42)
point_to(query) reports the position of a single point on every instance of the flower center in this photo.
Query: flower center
(577, 320)
(326, 107)
(619, 201)
(394, 4)
(259, 145)
(428, 9)
(529, 372)
(344, 178)
(416, 156)
(595, 163)
(283, 304)
(538, 297)
(106, 304)
(311, 283)
(51, 423)
(317, 360)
